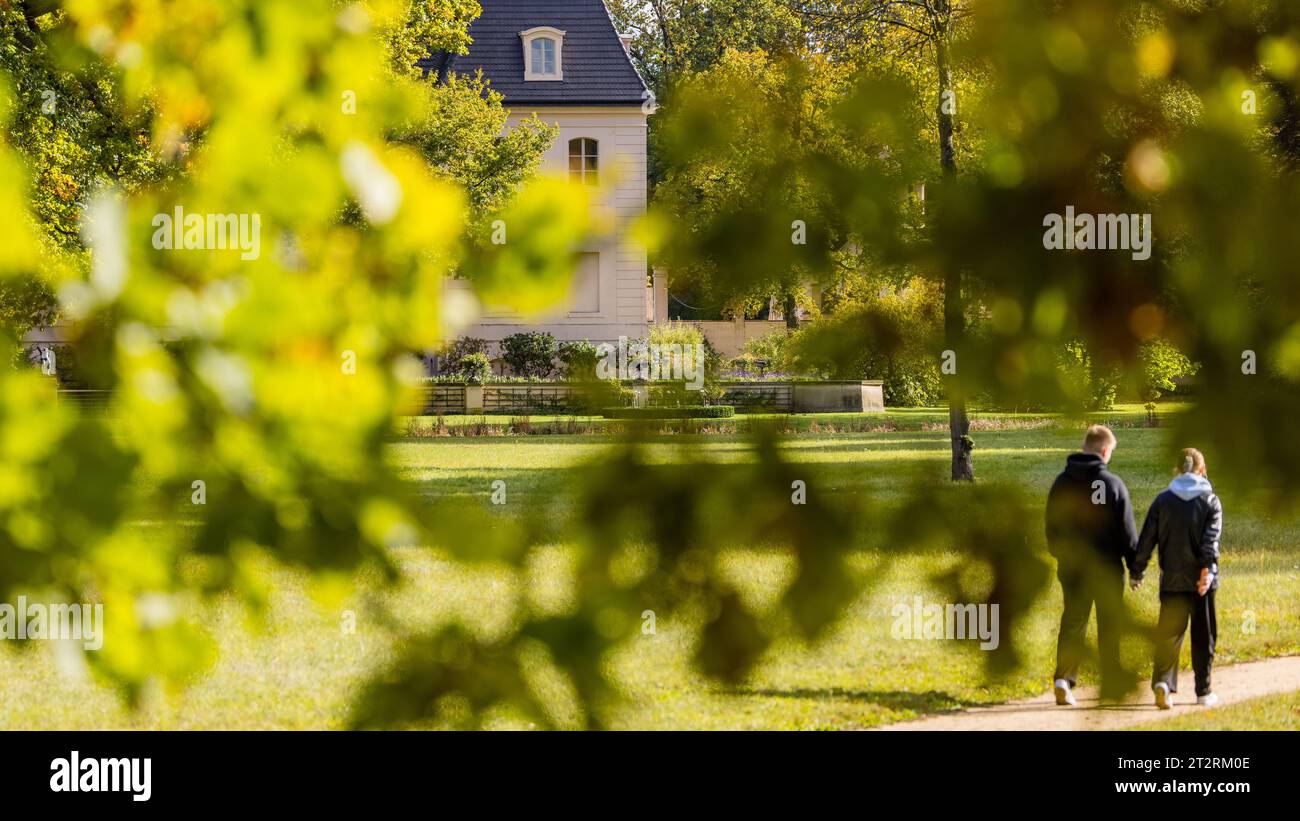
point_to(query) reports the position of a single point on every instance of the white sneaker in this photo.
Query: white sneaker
(1064, 696)
(1164, 698)
(1208, 700)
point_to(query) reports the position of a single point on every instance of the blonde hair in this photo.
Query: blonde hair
(1099, 438)
(1191, 461)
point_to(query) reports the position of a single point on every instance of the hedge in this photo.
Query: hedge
(669, 412)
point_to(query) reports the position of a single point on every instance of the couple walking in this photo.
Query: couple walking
(1091, 533)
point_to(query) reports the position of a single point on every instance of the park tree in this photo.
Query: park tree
(910, 42)
(462, 133)
(417, 27)
(460, 130)
(74, 135)
(77, 133)
(672, 39)
(753, 137)
(921, 36)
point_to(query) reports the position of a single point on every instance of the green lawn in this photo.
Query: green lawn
(1278, 712)
(300, 672)
(902, 419)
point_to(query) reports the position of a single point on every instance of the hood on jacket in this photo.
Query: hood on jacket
(1083, 465)
(1190, 485)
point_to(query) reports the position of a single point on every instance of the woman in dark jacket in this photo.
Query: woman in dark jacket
(1186, 521)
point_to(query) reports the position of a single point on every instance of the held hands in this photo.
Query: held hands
(1207, 579)
(1202, 586)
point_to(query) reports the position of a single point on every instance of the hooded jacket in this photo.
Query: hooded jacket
(1089, 514)
(1185, 520)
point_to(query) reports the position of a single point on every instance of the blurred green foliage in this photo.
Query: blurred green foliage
(462, 133)
(276, 381)
(251, 398)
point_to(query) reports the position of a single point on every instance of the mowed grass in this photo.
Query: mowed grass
(1276, 712)
(303, 669)
(901, 419)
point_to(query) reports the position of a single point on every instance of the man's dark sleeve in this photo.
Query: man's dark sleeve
(1209, 553)
(1146, 542)
(1126, 535)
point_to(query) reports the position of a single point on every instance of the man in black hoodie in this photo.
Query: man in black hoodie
(1091, 533)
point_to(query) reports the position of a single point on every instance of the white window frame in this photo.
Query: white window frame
(584, 175)
(540, 33)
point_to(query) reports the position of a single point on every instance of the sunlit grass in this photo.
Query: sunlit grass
(1275, 712)
(301, 671)
(1122, 414)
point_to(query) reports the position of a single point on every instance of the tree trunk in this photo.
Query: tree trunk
(662, 18)
(954, 315)
(790, 308)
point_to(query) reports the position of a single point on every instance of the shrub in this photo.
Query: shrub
(676, 412)
(456, 378)
(672, 393)
(1161, 364)
(451, 356)
(475, 368)
(578, 360)
(914, 384)
(529, 353)
(746, 364)
(623, 394)
(598, 394)
(676, 332)
(1089, 386)
(891, 336)
(767, 353)
(713, 393)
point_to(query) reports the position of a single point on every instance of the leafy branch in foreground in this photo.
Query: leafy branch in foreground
(275, 379)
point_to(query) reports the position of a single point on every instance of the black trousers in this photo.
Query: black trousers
(1083, 585)
(1175, 610)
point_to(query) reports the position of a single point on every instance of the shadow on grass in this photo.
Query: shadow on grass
(924, 701)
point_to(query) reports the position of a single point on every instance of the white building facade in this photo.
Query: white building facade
(563, 61)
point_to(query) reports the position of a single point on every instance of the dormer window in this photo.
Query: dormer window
(543, 53)
(543, 56)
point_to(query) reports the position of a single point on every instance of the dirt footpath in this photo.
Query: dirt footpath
(1234, 683)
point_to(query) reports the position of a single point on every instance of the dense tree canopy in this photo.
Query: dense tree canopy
(675, 38)
(78, 134)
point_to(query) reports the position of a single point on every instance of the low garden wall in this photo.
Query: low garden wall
(833, 397)
(544, 398)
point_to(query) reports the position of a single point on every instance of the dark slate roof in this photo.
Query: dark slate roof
(597, 70)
